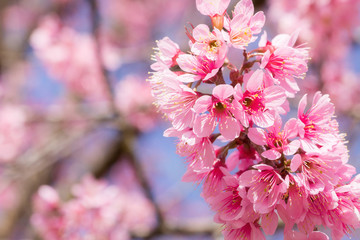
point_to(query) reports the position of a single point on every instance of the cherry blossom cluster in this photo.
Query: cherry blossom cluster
(232, 122)
(98, 211)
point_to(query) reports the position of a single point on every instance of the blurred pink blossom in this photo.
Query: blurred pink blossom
(97, 211)
(13, 131)
(133, 99)
(71, 58)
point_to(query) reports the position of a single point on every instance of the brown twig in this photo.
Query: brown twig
(29, 177)
(95, 30)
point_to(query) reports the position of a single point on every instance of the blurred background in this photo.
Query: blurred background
(82, 152)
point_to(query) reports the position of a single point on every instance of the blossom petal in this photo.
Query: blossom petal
(188, 62)
(188, 78)
(200, 31)
(229, 128)
(204, 125)
(208, 153)
(291, 128)
(269, 222)
(302, 105)
(264, 119)
(244, 7)
(223, 91)
(295, 162)
(271, 154)
(257, 22)
(246, 178)
(203, 104)
(238, 94)
(308, 146)
(292, 147)
(257, 136)
(274, 96)
(255, 81)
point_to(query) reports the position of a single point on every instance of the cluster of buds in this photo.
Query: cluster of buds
(254, 168)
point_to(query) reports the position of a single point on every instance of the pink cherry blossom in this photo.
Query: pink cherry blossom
(345, 217)
(282, 66)
(214, 181)
(228, 203)
(170, 94)
(208, 44)
(283, 62)
(277, 141)
(98, 211)
(265, 187)
(317, 129)
(258, 104)
(244, 24)
(166, 56)
(220, 110)
(198, 67)
(318, 172)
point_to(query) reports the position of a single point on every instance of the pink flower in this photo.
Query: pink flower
(282, 66)
(318, 172)
(318, 205)
(284, 40)
(317, 129)
(198, 67)
(265, 187)
(208, 44)
(97, 211)
(277, 141)
(244, 24)
(166, 56)
(283, 62)
(345, 217)
(228, 203)
(175, 99)
(220, 109)
(258, 104)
